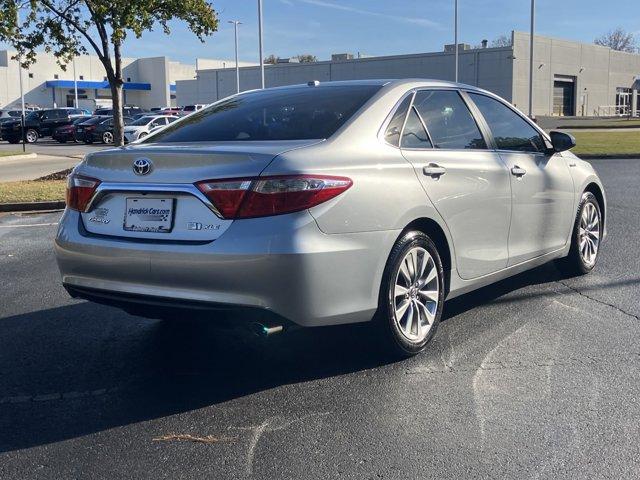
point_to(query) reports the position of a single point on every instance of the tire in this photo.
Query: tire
(400, 300)
(107, 137)
(31, 136)
(142, 135)
(583, 257)
(13, 140)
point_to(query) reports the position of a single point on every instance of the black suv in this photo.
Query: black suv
(41, 123)
(127, 111)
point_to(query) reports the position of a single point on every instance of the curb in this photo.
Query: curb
(604, 156)
(31, 206)
(21, 156)
(586, 127)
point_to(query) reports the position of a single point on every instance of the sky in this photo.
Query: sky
(380, 27)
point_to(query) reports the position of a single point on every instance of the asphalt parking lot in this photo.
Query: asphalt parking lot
(537, 376)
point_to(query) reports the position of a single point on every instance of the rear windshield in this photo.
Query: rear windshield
(288, 114)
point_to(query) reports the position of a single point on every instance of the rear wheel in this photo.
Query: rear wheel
(585, 239)
(412, 295)
(13, 140)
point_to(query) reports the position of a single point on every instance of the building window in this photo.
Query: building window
(128, 79)
(81, 77)
(31, 75)
(55, 76)
(104, 78)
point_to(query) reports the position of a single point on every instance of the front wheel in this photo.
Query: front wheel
(585, 238)
(107, 137)
(31, 136)
(411, 295)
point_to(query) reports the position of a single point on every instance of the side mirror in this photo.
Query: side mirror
(562, 141)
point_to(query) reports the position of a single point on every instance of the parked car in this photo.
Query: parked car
(141, 127)
(68, 133)
(102, 131)
(126, 111)
(320, 204)
(10, 114)
(38, 124)
(87, 126)
(170, 111)
(187, 109)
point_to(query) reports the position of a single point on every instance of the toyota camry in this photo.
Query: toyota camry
(329, 203)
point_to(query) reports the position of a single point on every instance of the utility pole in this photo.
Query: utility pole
(531, 42)
(75, 84)
(19, 58)
(260, 43)
(235, 28)
(456, 36)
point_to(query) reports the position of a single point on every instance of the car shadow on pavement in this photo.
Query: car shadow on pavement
(84, 368)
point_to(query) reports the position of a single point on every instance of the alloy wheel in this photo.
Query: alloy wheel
(589, 234)
(415, 294)
(107, 137)
(31, 136)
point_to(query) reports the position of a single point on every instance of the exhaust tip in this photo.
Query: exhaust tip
(261, 330)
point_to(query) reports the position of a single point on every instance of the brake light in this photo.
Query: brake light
(264, 196)
(80, 189)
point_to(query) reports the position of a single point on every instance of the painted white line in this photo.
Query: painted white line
(32, 225)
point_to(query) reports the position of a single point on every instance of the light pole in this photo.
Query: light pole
(531, 40)
(235, 28)
(19, 58)
(260, 43)
(455, 15)
(75, 84)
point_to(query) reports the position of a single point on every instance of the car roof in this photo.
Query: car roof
(383, 82)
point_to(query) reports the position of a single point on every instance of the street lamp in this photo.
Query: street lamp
(19, 58)
(455, 29)
(260, 43)
(75, 84)
(235, 28)
(531, 40)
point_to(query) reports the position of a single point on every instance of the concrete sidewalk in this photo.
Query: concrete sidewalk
(31, 168)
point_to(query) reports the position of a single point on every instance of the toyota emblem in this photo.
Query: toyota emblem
(142, 166)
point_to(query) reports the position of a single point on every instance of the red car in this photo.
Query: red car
(67, 133)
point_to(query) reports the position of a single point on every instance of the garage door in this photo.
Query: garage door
(563, 96)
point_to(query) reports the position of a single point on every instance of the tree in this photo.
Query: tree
(271, 59)
(619, 40)
(306, 58)
(71, 27)
(501, 41)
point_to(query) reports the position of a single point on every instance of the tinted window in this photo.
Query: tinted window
(14, 113)
(392, 134)
(289, 114)
(510, 130)
(414, 134)
(448, 120)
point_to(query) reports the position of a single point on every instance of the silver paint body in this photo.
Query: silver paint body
(324, 265)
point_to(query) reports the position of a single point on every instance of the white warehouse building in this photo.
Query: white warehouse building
(570, 78)
(149, 82)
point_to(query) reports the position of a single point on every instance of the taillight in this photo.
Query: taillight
(264, 196)
(80, 189)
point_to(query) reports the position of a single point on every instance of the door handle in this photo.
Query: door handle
(518, 172)
(434, 170)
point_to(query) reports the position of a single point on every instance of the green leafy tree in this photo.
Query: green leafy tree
(71, 27)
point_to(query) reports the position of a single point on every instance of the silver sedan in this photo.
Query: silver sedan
(329, 203)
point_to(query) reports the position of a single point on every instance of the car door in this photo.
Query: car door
(466, 181)
(47, 122)
(541, 184)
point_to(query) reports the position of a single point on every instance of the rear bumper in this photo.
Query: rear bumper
(283, 265)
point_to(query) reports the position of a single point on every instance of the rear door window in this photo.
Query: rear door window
(510, 131)
(414, 135)
(295, 113)
(448, 120)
